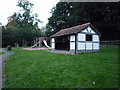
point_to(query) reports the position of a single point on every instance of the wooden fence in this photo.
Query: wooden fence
(111, 42)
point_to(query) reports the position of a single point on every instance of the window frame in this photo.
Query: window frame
(89, 37)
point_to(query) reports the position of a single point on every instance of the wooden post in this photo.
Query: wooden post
(75, 43)
(34, 41)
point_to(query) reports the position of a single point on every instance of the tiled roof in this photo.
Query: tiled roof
(72, 30)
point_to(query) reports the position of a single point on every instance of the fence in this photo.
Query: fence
(111, 42)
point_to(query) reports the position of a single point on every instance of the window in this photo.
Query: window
(88, 37)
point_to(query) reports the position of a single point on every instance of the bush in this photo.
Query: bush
(9, 48)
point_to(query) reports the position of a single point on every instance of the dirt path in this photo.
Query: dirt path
(0, 70)
(36, 48)
(2, 58)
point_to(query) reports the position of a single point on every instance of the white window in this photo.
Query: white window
(88, 37)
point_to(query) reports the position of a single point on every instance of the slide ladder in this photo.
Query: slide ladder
(36, 44)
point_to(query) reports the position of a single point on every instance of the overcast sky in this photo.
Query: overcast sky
(41, 7)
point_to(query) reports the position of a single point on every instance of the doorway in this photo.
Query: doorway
(62, 43)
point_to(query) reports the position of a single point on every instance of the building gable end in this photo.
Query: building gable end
(88, 30)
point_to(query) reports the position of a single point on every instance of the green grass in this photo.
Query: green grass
(42, 69)
(1, 53)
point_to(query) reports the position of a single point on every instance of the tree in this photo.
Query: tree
(48, 30)
(104, 16)
(22, 25)
(28, 23)
(8, 36)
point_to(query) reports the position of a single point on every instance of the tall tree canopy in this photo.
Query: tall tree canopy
(105, 16)
(22, 26)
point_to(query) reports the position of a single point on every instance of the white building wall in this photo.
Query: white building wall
(53, 46)
(92, 32)
(88, 45)
(89, 30)
(53, 43)
(72, 45)
(81, 46)
(95, 38)
(72, 42)
(81, 37)
(96, 42)
(72, 38)
(53, 39)
(85, 31)
(95, 46)
(81, 41)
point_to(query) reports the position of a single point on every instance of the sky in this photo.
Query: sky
(41, 7)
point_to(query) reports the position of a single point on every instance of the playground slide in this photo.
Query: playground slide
(36, 44)
(46, 44)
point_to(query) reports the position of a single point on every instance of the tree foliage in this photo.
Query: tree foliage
(21, 26)
(105, 16)
(47, 31)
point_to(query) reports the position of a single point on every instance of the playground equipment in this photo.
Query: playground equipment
(39, 40)
(46, 44)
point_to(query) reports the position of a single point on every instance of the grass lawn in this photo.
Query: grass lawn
(42, 69)
(1, 53)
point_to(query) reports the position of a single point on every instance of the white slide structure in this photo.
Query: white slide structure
(46, 44)
(39, 44)
(36, 44)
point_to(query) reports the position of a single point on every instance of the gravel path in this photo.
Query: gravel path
(36, 48)
(0, 70)
(3, 57)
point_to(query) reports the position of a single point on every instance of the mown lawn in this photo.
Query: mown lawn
(42, 69)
